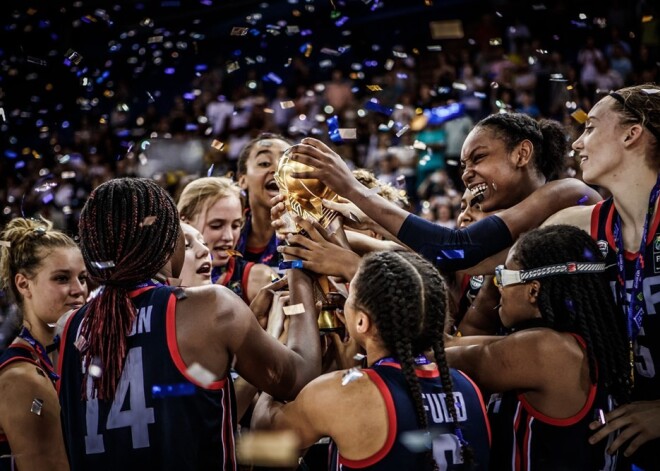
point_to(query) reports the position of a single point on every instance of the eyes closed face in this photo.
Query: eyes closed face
(220, 226)
(259, 179)
(470, 211)
(197, 266)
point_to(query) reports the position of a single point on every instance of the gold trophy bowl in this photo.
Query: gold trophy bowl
(303, 195)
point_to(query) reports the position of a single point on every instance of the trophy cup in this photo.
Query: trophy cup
(304, 198)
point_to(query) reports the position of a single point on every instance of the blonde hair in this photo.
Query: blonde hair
(204, 192)
(385, 190)
(22, 246)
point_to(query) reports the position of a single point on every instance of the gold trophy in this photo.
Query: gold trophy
(304, 198)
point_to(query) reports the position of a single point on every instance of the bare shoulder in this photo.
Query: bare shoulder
(543, 344)
(578, 216)
(22, 381)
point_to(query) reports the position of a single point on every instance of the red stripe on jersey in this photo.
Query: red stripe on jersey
(595, 217)
(516, 450)
(527, 440)
(244, 281)
(434, 373)
(60, 359)
(229, 437)
(173, 346)
(481, 402)
(391, 427)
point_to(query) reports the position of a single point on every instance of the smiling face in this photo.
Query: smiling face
(196, 269)
(220, 225)
(260, 167)
(489, 169)
(599, 147)
(59, 285)
(470, 211)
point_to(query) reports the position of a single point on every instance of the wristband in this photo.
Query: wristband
(290, 264)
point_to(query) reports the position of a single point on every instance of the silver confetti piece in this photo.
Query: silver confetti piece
(103, 265)
(37, 405)
(359, 357)
(351, 375)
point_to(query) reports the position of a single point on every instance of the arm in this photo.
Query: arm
(36, 440)
(482, 316)
(523, 360)
(260, 275)
(261, 359)
(578, 216)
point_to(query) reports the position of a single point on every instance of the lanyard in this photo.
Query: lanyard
(420, 360)
(636, 306)
(41, 353)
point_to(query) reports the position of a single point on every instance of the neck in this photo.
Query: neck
(262, 231)
(631, 199)
(375, 351)
(41, 331)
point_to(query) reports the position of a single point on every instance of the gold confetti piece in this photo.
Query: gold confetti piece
(374, 88)
(294, 309)
(580, 116)
(37, 405)
(348, 133)
(201, 374)
(233, 253)
(232, 67)
(218, 145)
(269, 110)
(239, 31)
(647, 18)
(451, 29)
(495, 41)
(287, 104)
(148, 221)
(263, 448)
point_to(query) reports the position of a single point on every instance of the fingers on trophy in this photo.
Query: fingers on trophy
(304, 197)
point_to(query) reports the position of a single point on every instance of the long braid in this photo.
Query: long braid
(581, 303)
(128, 229)
(407, 299)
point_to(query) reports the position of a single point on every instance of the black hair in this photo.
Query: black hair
(580, 303)
(407, 298)
(547, 137)
(245, 152)
(128, 230)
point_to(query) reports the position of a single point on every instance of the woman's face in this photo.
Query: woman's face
(598, 148)
(470, 211)
(196, 269)
(515, 306)
(220, 225)
(489, 170)
(59, 285)
(259, 177)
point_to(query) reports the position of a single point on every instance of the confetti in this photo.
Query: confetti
(37, 61)
(37, 405)
(103, 265)
(374, 88)
(148, 221)
(210, 170)
(272, 77)
(348, 133)
(580, 116)
(172, 390)
(201, 374)
(268, 448)
(330, 52)
(451, 29)
(232, 67)
(94, 369)
(419, 145)
(583, 200)
(217, 145)
(239, 31)
(2, 114)
(72, 57)
(402, 131)
(450, 254)
(287, 104)
(294, 309)
(601, 416)
(359, 357)
(417, 441)
(234, 253)
(651, 91)
(351, 375)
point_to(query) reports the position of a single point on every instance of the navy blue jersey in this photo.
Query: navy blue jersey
(647, 344)
(237, 275)
(526, 439)
(140, 429)
(15, 353)
(394, 456)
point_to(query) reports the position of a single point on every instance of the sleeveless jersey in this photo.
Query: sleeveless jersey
(526, 439)
(141, 429)
(267, 255)
(238, 275)
(394, 456)
(14, 353)
(647, 344)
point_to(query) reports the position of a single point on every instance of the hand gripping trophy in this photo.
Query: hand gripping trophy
(303, 197)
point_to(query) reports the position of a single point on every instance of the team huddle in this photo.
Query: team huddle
(525, 338)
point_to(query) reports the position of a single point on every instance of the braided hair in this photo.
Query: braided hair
(407, 299)
(580, 303)
(128, 230)
(547, 137)
(24, 245)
